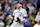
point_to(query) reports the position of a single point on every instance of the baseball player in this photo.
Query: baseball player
(19, 16)
(37, 19)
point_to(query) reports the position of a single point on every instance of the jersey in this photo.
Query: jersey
(37, 19)
(1, 24)
(19, 13)
(36, 25)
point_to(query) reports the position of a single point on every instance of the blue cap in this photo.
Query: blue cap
(21, 3)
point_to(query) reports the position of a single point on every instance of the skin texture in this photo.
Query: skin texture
(10, 17)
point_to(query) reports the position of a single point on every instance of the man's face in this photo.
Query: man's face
(39, 13)
(19, 5)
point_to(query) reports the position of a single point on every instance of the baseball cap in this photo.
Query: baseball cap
(21, 3)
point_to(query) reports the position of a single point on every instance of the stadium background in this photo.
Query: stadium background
(8, 6)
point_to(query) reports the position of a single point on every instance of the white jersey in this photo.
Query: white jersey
(1, 24)
(36, 25)
(19, 13)
(37, 18)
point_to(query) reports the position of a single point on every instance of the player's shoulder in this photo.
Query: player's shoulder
(23, 9)
(15, 10)
(35, 25)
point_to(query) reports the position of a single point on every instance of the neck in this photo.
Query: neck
(37, 22)
(20, 7)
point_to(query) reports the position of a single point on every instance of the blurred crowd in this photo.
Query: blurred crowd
(32, 7)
